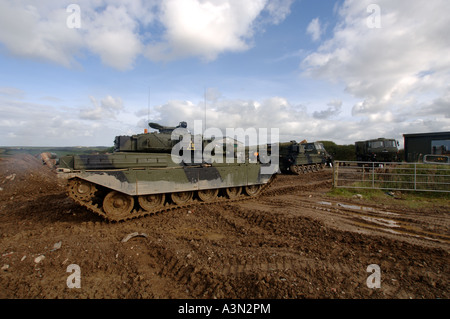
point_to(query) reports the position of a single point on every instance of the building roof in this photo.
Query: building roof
(443, 134)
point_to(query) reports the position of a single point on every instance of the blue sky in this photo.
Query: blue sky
(317, 70)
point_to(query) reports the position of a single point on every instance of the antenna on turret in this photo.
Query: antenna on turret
(148, 106)
(204, 97)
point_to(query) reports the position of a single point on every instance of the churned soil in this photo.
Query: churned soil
(294, 241)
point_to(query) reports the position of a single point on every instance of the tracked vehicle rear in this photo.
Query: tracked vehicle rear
(299, 158)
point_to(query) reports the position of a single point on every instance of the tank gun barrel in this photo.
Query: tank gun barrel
(166, 129)
(156, 126)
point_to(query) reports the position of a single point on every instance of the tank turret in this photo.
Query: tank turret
(154, 142)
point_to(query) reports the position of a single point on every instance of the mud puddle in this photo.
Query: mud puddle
(374, 218)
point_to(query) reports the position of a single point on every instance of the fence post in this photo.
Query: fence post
(373, 174)
(335, 174)
(415, 174)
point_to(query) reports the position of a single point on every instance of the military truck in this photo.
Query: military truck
(303, 157)
(149, 173)
(377, 150)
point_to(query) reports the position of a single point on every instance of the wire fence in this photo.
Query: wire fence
(392, 176)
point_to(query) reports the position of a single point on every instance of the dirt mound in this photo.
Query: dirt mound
(25, 176)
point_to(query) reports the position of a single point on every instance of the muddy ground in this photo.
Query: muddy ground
(295, 241)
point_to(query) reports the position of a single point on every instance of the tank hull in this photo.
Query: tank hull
(103, 183)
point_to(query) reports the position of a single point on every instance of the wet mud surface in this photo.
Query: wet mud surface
(292, 242)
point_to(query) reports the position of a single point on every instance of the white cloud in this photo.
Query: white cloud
(278, 10)
(293, 121)
(333, 110)
(12, 92)
(120, 31)
(43, 124)
(25, 123)
(398, 74)
(394, 70)
(314, 29)
(112, 34)
(30, 32)
(106, 109)
(205, 28)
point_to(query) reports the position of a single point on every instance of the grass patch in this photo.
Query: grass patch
(414, 186)
(419, 176)
(371, 194)
(403, 199)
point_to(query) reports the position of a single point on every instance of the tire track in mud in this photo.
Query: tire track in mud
(304, 268)
(431, 231)
(241, 277)
(262, 256)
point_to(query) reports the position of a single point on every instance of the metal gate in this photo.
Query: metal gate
(392, 176)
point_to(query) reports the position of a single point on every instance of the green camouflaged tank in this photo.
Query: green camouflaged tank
(147, 174)
(296, 158)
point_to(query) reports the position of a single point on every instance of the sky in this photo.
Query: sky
(79, 73)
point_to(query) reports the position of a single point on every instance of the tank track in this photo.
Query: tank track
(86, 201)
(306, 168)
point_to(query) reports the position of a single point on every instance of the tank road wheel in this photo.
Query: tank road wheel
(182, 198)
(117, 205)
(81, 189)
(233, 192)
(150, 202)
(208, 195)
(294, 169)
(253, 190)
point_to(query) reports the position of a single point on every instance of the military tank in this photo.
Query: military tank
(147, 174)
(303, 157)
